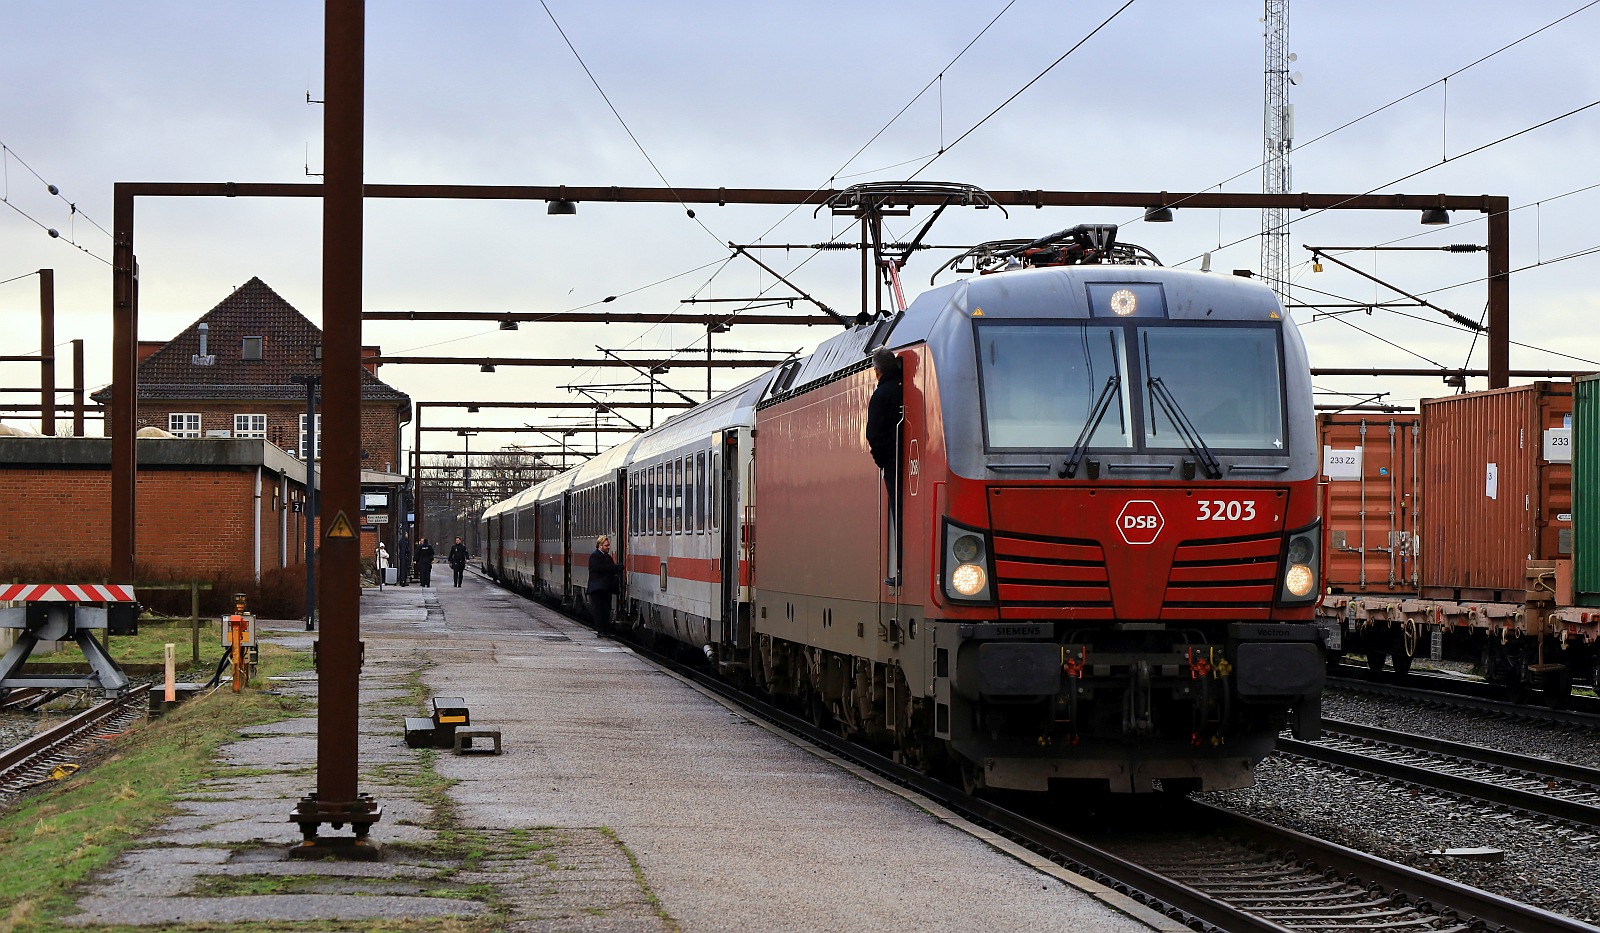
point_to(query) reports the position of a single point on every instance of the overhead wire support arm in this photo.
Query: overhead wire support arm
(1317, 252)
(837, 317)
(647, 374)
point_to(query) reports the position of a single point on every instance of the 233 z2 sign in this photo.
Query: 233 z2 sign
(1227, 510)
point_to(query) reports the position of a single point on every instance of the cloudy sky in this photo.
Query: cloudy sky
(1166, 96)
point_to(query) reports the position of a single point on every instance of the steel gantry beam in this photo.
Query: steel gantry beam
(125, 284)
(601, 317)
(764, 362)
(566, 405)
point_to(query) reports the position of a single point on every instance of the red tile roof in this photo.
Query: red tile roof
(288, 342)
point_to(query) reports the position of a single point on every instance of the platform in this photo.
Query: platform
(624, 800)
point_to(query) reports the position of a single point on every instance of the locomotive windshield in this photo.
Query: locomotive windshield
(1040, 382)
(1226, 380)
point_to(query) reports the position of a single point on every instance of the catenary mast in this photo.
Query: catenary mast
(1277, 136)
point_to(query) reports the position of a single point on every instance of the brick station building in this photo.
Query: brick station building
(222, 497)
(230, 374)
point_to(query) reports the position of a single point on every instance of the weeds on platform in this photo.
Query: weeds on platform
(56, 838)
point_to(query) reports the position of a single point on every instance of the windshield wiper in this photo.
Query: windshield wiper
(1186, 429)
(1102, 404)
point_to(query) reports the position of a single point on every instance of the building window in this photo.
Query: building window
(314, 444)
(252, 348)
(252, 426)
(184, 425)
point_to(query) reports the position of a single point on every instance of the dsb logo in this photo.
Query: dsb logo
(1140, 522)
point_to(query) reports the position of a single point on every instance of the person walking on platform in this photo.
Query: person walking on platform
(603, 575)
(380, 563)
(425, 563)
(457, 559)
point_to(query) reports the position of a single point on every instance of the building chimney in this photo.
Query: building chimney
(202, 358)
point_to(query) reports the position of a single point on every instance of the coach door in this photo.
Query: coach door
(619, 535)
(564, 522)
(725, 513)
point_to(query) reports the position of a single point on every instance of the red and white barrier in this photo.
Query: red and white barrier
(67, 592)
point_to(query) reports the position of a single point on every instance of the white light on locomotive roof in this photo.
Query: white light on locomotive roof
(1124, 302)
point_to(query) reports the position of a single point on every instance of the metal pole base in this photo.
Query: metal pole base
(360, 813)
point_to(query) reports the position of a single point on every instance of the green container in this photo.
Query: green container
(1586, 490)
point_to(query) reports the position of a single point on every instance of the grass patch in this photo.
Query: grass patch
(55, 839)
(644, 885)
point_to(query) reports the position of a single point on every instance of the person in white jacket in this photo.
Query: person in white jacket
(380, 562)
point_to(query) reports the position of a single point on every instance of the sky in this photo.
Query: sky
(1150, 95)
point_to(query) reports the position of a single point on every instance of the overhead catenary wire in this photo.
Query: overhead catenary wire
(6, 155)
(1020, 91)
(1371, 113)
(1429, 320)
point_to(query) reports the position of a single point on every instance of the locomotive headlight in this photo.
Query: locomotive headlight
(1301, 567)
(1299, 580)
(969, 580)
(966, 566)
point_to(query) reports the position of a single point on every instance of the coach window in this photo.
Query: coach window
(691, 496)
(656, 509)
(716, 488)
(700, 494)
(677, 495)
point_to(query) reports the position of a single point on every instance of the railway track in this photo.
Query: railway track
(1223, 871)
(1442, 692)
(1537, 786)
(28, 763)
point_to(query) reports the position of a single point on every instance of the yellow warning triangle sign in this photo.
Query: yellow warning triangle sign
(340, 528)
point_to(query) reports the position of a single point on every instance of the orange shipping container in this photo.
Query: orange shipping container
(1369, 505)
(1499, 489)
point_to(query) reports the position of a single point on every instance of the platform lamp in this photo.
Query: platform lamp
(654, 372)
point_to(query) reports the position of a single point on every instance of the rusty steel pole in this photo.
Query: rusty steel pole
(77, 387)
(125, 385)
(416, 477)
(337, 800)
(47, 352)
(1499, 317)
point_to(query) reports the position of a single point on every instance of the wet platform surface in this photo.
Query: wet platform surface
(625, 800)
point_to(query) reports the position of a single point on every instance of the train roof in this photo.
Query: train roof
(730, 409)
(604, 463)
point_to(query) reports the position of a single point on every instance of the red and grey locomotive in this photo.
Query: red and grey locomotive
(1108, 547)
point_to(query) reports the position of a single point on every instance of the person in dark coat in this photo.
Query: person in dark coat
(457, 559)
(424, 555)
(885, 410)
(604, 573)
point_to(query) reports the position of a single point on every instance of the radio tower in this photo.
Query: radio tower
(1277, 133)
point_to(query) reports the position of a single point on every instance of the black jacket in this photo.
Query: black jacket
(424, 554)
(883, 419)
(458, 556)
(603, 572)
